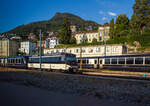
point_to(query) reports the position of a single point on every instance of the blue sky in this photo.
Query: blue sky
(17, 12)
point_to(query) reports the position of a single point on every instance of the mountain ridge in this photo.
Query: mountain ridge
(54, 24)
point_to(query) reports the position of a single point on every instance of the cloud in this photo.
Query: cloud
(112, 14)
(104, 18)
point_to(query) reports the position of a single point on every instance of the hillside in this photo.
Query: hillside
(54, 24)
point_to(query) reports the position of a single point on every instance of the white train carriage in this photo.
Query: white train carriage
(131, 62)
(59, 61)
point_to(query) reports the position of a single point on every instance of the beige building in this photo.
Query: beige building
(101, 35)
(73, 28)
(8, 48)
(92, 51)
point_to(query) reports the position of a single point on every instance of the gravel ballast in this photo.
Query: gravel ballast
(130, 92)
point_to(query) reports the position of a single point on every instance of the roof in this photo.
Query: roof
(125, 55)
(86, 32)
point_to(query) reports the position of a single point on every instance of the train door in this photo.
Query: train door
(100, 63)
(96, 62)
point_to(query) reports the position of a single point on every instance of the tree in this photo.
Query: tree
(73, 40)
(65, 34)
(94, 41)
(112, 29)
(141, 15)
(122, 24)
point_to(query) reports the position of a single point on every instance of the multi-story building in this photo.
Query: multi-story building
(104, 33)
(28, 47)
(73, 28)
(8, 48)
(31, 36)
(52, 41)
(92, 51)
(86, 36)
(101, 35)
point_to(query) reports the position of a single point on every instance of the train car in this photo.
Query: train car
(58, 61)
(134, 62)
(2, 61)
(14, 62)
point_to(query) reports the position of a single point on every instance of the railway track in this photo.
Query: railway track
(105, 74)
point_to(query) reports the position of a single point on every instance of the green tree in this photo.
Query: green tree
(73, 40)
(141, 15)
(94, 41)
(65, 34)
(112, 29)
(122, 25)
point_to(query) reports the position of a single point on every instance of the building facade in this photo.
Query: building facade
(52, 41)
(8, 48)
(92, 51)
(101, 35)
(28, 47)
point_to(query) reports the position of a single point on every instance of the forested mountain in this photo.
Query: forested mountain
(54, 24)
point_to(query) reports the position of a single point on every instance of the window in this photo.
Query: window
(70, 51)
(130, 60)
(95, 61)
(57, 51)
(138, 60)
(121, 60)
(77, 50)
(83, 50)
(115, 49)
(107, 61)
(107, 49)
(147, 60)
(98, 49)
(114, 61)
(90, 50)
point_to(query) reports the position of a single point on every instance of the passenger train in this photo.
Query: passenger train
(67, 61)
(58, 61)
(131, 62)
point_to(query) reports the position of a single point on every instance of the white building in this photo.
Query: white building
(101, 35)
(52, 41)
(92, 51)
(28, 47)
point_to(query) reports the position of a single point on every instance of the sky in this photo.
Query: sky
(18, 12)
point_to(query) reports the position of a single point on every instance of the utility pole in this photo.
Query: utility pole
(7, 55)
(40, 52)
(80, 58)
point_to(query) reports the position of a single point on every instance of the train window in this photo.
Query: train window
(8, 60)
(121, 60)
(87, 61)
(83, 61)
(22, 61)
(114, 61)
(78, 61)
(138, 60)
(13, 61)
(107, 61)
(100, 61)
(147, 60)
(95, 61)
(130, 60)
